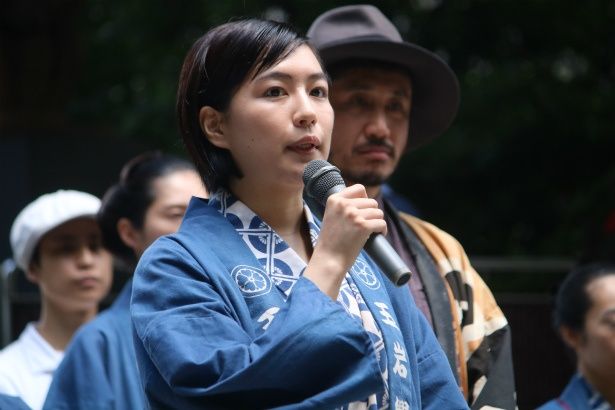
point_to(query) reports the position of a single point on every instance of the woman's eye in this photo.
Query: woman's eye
(319, 92)
(95, 246)
(274, 92)
(610, 322)
(65, 249)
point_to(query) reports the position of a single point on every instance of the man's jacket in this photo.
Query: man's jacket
(468, 323)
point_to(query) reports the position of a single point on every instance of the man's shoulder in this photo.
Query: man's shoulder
(427, 227)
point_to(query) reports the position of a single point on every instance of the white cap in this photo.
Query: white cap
(44, 214)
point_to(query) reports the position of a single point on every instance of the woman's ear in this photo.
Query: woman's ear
(212, 124)
(128, 234)
(33, 273)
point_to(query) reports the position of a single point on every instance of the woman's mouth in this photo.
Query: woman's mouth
(88, 282)
(305, 145)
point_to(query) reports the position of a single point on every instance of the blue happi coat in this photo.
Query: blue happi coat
(99, 369)
(211, 331)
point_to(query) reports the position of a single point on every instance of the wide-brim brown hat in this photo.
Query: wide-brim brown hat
(363, 32)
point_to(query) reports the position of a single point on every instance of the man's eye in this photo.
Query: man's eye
(359, 101)
(397, 107)
(274, 92)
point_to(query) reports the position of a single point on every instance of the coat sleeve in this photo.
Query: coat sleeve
(197, 348)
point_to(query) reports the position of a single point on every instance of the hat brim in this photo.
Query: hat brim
(435, 88)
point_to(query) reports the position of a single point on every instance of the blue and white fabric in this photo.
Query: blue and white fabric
(284, 267)
(216, 326)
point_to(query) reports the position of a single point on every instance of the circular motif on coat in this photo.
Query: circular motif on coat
(251, 281)
(261, 234)
(281, 268)
(282, 275)
(234, 220)
(362, 271)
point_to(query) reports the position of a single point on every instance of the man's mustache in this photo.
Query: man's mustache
(377, 143)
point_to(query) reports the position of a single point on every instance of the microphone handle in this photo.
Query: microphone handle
(381, 251)
(389, 261)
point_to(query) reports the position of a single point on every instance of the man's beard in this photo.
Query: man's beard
(367, 178)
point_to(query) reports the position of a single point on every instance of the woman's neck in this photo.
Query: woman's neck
(282, 211)
(58, 326)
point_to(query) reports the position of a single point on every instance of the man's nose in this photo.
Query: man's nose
(377, 125)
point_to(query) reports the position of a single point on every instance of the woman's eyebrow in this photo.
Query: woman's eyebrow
(280, 75)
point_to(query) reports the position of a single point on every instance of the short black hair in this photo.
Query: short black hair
(337, 69)
(132, 195)
(572, 301)
(217, 64)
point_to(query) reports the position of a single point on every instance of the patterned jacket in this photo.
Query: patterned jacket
(468, 323)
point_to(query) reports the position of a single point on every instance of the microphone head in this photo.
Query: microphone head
(319, 177)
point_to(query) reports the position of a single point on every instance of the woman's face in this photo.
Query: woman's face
(164, 215)
(73, 271)
(595, 348)
(279, 121)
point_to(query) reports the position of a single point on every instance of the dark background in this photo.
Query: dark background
(526, 172)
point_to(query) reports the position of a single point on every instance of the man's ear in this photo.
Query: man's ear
(571, 337)
(212, 124)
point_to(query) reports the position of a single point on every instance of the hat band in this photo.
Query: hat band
(360, 39)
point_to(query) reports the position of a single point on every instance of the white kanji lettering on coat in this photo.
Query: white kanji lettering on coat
(386, 316)
(268, 316)
(400, 358)
(401, 404)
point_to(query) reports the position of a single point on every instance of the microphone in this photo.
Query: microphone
(321, 180)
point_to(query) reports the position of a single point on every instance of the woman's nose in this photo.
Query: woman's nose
(305, 114)
(85, 256)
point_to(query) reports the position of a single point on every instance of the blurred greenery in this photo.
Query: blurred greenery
(528, 166)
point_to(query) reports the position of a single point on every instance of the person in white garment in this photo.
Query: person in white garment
(56, 241)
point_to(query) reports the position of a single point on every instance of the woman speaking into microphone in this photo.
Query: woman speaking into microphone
(254, 303)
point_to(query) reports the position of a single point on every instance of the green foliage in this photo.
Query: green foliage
(527, 167)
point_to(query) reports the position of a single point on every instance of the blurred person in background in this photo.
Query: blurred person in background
(390, 97)
(584, 317)
(57, 242)
(99, 370)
